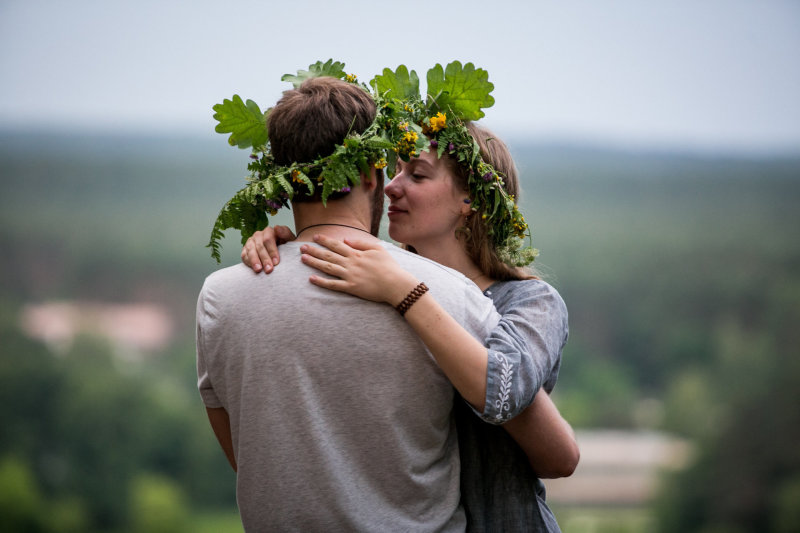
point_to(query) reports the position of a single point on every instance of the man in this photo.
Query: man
(329, 407)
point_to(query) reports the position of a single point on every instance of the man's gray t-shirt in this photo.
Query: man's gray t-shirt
(341, 420)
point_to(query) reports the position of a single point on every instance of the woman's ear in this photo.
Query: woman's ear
(466, 208)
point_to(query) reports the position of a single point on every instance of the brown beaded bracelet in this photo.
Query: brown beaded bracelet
(415, 294)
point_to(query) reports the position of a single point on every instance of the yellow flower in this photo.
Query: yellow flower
(380, 163)
(410, 137)
(438, 122)
(403, 126)
(296, 176)
(351, 78)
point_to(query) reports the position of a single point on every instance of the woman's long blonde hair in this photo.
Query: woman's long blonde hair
(475, 233)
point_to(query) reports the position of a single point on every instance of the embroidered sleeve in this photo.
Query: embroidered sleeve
(524, 350)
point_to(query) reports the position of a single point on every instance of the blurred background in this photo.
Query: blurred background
(659, 146)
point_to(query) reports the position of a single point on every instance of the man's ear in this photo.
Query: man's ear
(370, 181)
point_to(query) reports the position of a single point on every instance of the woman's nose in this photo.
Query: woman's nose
(392, 189)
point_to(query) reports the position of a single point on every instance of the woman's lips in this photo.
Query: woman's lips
(393, 211)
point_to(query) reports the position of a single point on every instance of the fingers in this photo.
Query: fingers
(323, 254)
(322, 265)
(268, 252)
(250, 256)
(362, 244)
(260, 252)
(334, 245)
(332, 284)
(284, 234)
(266, 248)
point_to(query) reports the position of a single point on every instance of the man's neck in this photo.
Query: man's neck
(337, 230)
(337, 220)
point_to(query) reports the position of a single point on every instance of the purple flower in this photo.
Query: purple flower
(434, 143)
(450, 147)
(254, 156)
(487, 176)
(344, 189)
(273, 204)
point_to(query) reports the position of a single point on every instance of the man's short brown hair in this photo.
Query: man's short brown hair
(309, 121)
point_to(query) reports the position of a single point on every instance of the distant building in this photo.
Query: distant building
(618, 468)
(132, 329)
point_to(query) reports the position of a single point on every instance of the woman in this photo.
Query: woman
(430, 212)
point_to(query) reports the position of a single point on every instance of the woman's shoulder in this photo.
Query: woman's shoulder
(530, 298)
(517, 291)
(533, 284)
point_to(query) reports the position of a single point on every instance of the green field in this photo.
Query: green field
(681, 273)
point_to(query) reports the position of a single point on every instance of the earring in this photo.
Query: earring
(467, 202)
(464, 231)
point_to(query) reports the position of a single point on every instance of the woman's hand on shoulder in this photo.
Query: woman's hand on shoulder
(260, 252)
(363, 268)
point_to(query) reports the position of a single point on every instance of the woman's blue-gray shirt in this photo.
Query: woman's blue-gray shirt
(499, 490)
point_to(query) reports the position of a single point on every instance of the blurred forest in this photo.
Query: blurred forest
(681, 273)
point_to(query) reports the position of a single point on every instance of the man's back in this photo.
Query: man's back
(340, 419)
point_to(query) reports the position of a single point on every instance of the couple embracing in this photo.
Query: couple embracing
(363, 386)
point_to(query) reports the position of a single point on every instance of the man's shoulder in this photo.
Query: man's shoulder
(234, 274)
(242, 275)
(460, 297)
(415, 262)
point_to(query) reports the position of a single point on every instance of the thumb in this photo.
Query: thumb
(284, 234)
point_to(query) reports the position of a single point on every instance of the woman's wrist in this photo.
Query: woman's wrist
(411, 298)
(401, 288)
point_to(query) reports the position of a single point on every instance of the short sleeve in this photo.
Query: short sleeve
(204, 385)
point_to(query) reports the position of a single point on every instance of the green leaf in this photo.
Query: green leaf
(391, 163)
(464, 90)
(244, 121)
(283, 182)
(334, 69)
(307, 182)
(240, 213)
(401, 84)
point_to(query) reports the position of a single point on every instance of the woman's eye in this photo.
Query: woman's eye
(418, 176)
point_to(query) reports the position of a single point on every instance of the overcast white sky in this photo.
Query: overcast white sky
(697, 74)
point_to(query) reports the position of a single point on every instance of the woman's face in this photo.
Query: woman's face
(425, 206)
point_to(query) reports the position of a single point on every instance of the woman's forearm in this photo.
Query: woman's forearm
(546, 438)
(461, 357)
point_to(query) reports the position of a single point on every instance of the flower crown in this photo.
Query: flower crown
(405, 125)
